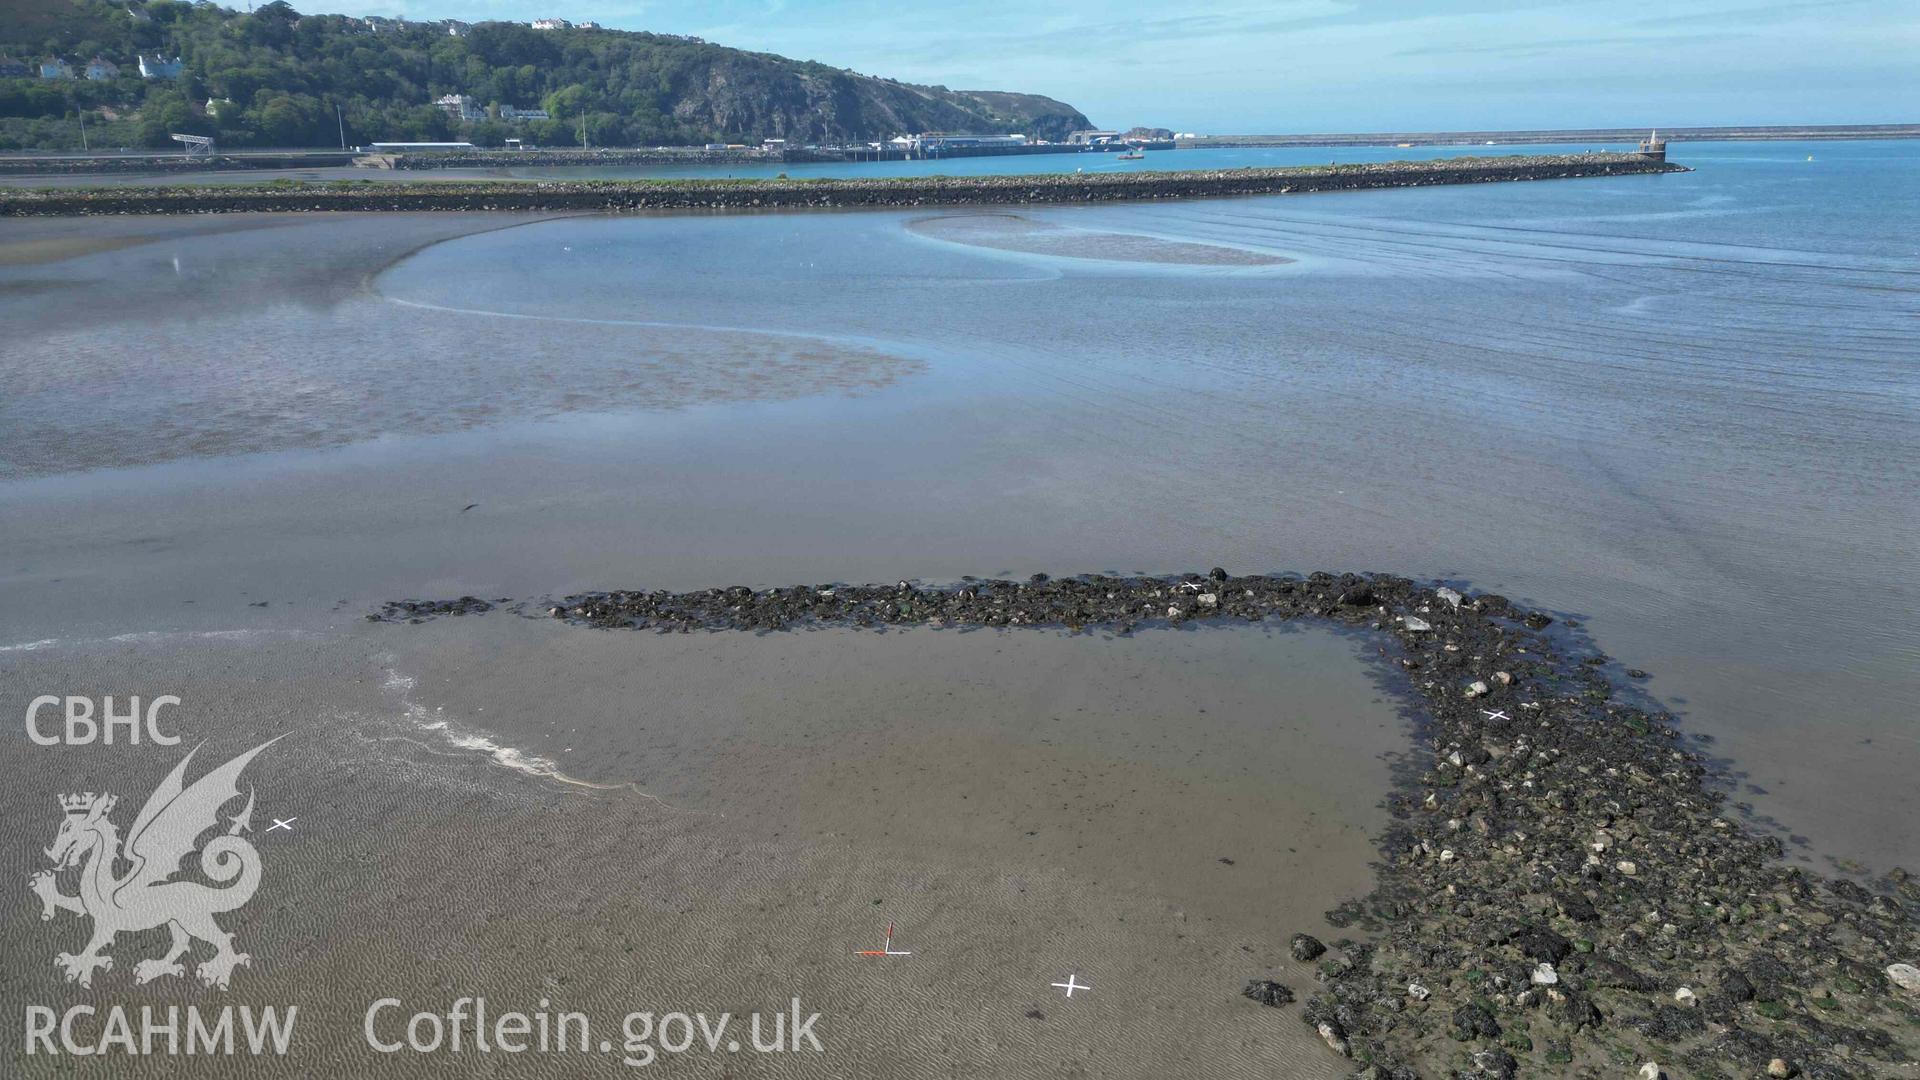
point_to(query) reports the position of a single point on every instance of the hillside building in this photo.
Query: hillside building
(159, 67)
(56, 68)
(100, 69)
(461, 107)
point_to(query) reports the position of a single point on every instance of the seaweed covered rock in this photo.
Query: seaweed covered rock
(1269, 993)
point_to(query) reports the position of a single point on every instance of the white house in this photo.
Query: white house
(56, 68)
(551, 24)
(100, 69)
(159, 67)
(509, 113)
(461, 107)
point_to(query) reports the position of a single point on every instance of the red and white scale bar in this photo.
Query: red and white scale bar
(886, 949)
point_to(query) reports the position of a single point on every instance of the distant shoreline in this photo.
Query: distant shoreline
(529, 195)
(66, 162)
(1747, 133)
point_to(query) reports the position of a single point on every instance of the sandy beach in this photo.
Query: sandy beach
(739, 816)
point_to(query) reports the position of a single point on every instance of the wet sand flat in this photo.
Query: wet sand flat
(1014, 232)
(19, 252)
(1024, 807)
(33, 243)
(1126, 759)
(292, 345)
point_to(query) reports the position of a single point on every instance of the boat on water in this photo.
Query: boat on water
(1131, 155)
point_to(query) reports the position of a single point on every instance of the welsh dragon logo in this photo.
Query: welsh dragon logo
(164, 833)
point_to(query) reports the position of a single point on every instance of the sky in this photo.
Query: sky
(1288, 66)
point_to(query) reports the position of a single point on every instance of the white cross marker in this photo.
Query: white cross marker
(1070, 985)
(278, 824)
(1495, 714)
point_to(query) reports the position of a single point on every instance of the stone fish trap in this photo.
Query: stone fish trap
(1559, 884)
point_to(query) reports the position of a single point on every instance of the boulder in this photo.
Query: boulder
(1335, 1038)
(1905, 976)
(1268, 993)
(1614, 975)
(1472, 1021)
(1540, 943)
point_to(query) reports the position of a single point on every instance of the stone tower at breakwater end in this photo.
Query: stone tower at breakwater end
(1653, 147)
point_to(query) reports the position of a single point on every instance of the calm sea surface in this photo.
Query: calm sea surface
(1682, 410)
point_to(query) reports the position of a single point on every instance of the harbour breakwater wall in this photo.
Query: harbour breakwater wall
(535, 159)
(1061, 188)
(169, 163)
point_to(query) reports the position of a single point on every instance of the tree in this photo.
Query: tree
(165, 113)
(566, 103)
(282, 69)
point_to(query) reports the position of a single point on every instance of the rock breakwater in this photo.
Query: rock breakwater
(537, 159)
(1562, 891)
(168, 163)
(617, 195)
